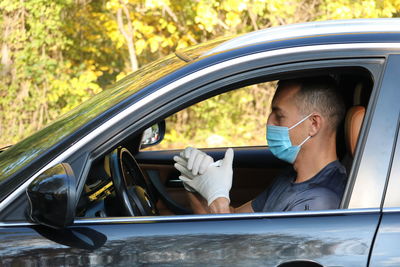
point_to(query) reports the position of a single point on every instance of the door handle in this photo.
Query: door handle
(174, 183)
(300, 263)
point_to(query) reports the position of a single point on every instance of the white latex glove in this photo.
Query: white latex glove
(193, 162)
(197, 161)
(184, 172)
(215, 182)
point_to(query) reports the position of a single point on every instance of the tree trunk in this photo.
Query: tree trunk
(128, 35)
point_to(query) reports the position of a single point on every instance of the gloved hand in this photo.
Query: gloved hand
(193, 162)
(184, 172)
(215, 182)
(197, 161)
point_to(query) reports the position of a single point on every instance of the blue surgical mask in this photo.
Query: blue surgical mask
(279, 142)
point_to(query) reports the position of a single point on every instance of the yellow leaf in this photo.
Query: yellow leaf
(182, 44)
(232, 19)
(171, 28)
(154, 44)
(165, 43)
(163, 23)
(121, 75)
(139, 46)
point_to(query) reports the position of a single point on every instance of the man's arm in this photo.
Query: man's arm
(197, 203)
(245, 208)
(219, 205)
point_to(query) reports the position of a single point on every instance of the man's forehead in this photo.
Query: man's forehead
(285, 91)
(288, 83)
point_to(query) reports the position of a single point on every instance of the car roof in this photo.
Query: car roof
(310, 29)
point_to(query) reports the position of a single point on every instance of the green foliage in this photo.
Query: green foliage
(56, 54)
(37, 82)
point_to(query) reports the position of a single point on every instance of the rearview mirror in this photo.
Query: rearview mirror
(153, 135)
(52, 197)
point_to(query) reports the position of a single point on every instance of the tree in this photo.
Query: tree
(55, 54)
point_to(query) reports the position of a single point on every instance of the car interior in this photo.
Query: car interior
(136, 178)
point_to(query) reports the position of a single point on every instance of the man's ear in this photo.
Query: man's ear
(316, 123)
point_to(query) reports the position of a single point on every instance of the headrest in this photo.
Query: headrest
(354, 119)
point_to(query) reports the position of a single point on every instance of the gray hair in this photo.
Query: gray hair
(319, 94)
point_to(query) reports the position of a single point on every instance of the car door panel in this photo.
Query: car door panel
(386, 249)
(254, 170)
(337, 239)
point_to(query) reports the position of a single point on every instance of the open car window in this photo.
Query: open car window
(236, 118)
(233, 119)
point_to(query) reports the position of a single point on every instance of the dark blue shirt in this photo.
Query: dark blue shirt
(321, 192)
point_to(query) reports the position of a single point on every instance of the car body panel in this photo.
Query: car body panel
(341, 239)
(385, 251)
(392, 196)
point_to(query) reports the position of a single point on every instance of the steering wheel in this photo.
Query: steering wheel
(129, 184)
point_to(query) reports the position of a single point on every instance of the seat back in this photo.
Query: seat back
(353, 121)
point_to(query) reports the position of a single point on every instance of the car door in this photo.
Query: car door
(385, 252)
(338, 237)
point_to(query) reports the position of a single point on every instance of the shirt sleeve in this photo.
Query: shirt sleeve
(259, 202)
(317, 198)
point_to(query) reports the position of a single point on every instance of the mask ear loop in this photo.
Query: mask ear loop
(305, 140)
(300, 121)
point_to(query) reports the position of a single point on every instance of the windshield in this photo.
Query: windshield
(19, 155)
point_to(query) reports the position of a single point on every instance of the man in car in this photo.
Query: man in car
(301, 130)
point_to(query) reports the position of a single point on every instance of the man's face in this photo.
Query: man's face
(285, 113)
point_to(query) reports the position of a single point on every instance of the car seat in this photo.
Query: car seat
(353, 121)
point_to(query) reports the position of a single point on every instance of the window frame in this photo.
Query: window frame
(371, 64)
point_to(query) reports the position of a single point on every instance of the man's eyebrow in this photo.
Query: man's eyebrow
(276, 109)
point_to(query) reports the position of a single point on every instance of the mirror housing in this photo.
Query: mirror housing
(153, 135)
(52, 197)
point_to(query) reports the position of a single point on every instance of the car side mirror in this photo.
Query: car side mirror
(52, 197)
(153, 135)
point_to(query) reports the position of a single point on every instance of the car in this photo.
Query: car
(93, 189)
